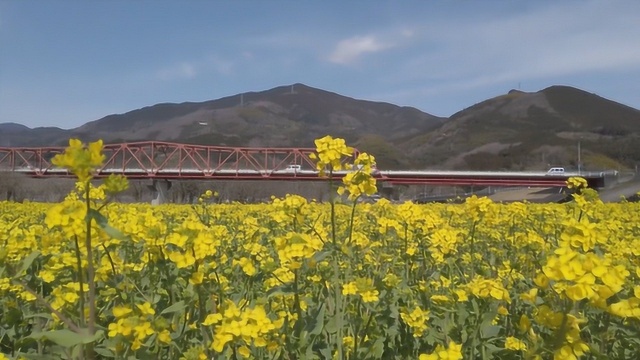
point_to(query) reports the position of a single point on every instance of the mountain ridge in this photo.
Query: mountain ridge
(517, 130)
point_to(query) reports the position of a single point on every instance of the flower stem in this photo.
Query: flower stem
(90, 274)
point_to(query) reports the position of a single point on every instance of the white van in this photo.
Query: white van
(293, 168)
(556, 171)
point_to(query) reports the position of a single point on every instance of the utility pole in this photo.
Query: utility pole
(579, 159)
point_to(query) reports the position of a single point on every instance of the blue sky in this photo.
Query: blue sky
(64, 63)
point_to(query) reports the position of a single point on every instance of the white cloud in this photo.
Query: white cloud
(220, 65)
(280, 39)
(183, 70)
(562, 40)
(186, 70)
(247, 55)
(349, 50)
(546, 42)
(407, 33)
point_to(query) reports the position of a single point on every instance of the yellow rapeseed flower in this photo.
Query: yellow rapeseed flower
(512, 343)
(121, 311)
(452, 352)
(576, 182)
(81, 160)
(416, 319)
(145, 308)
(329, 154)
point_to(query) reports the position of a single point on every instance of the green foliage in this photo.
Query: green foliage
(388, 155)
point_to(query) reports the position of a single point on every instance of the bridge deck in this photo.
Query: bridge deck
(484, 178)
(163, 160)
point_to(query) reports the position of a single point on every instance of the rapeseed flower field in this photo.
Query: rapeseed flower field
(295, 279)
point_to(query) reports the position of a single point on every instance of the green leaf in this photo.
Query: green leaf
(326, 352)
(391, 331)
(21, 355)
(308, 354)
(488, 317)
(177, 307)
(321, 255)
(474, 304)
(332, 325)
(26, 263)
(12, 316)
(42, 315)
(102, 221)
(488, 330)
(104, 353)
(67, 338)
(377, 349)
(492, 349)
(314, 327)
(464, 336)
(280, 290)
(463, 313)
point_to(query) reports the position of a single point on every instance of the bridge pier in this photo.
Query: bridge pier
(388, 191)
(161, 188)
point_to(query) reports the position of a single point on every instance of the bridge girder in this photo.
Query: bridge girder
(173, 161)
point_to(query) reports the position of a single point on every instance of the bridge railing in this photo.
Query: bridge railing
(154, 157)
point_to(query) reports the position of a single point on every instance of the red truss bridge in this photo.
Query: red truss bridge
(172, 161)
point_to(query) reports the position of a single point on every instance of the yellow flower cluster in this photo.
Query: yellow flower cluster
(270, 281)
(512, 343)
(207, 195)
(576, 275)
(416, 319)
(360, 182)
(485, 288)
(573, 346)
(628, 308)
(294, 248)
(66, 295)
(576, 183)
(477, 206)
(443, 242)
(69, 215)
(114, 184)
(291, 209)
(329, 154)
(249, 326)
(363, 287)
(136, 325)
(452, 352)
(80, 160)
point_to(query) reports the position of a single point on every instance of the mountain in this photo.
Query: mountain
(284, 116)
(12, 128)
(12, 134)
(517, 130)
(520, 130)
